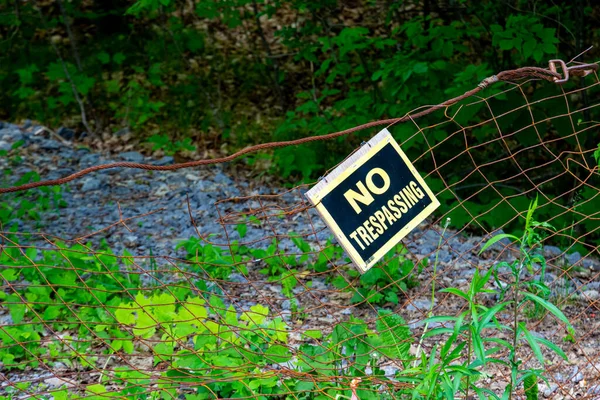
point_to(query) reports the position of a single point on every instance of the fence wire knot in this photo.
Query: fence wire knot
(488, 81)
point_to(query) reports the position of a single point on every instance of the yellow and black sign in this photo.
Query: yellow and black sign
(372, 200)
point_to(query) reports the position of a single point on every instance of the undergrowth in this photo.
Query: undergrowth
(207, 347)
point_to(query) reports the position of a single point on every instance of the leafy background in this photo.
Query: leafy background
(196, 78)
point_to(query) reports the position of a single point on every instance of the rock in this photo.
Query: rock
(577, 378)
(222, 179)
(419, 305)
(5, 146)
(389, 371)
(574, 258)
(595, 389)
(166, 160)
(589, 263)
(574, 373)
(549, 391)
(58, 382)
(130, 240)
(122, 132)
(237, 278)
(590, 295)
(91, 184)
(48, 144)
(559, 377)
(132, 156)
(286, 305)
(432, 237)
(466, 247)
(11, 135)
(26, 124)
(89, 159)
(66, 133)
(552, 251)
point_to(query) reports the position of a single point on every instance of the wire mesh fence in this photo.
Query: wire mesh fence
(261, 302)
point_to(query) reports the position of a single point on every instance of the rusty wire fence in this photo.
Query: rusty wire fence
(269, 306)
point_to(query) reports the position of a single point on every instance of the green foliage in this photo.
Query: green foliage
(530, 385)
(164, 143)
(216, 262)
(383, 283)
(527, 37)
(223, 351)
(58, 277)
(29, 204)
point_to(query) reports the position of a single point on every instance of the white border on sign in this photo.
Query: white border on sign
(342, 172)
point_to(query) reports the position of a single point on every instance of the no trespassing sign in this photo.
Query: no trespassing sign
(372, 200)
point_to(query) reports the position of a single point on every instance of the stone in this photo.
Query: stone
(595, 389)
(591, 264)
(552, 251)
(12, 136)
(91, 184)
(89, 159)
(132, 156)
(5, 146)
(419, 305)
(130, 240)
(559, 377)
(166, 160)
(432, 237)
(238, 278)
(66, 133)
(286, 305)
(466, 247)
(222, 179)
(590, 295)
(574, 258)
(549, 391)
(122, 132)
(577, 377)
(48, 144)
(58, 382)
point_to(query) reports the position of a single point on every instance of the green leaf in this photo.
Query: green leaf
(456, 292)
(528, 47)
(550, 48)
(10, 274)
(256, 315)
(313, 333)
(530, 384)
(506, 44)
(478, 345)
(496, 239)
(446, 347)
(278, 354)
(119, 58)
(552, 347)
(551, 308)
(241, 229)
(395, 335)
(532, 342)
(104, 57)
